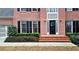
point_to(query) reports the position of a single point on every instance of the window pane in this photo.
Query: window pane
(23, 9)
(77, 26)
(30, 29)
(35, 9)
(52, 9)
(29, 9)
(24, 27)
(18, 9)
(75, 9)
(26, 9)
(68, 26)
(68, 9)
(39, 26)
(35, 25)
(52, 16)
(74, 27)
(27, 26)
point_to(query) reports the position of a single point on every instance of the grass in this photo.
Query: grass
(39, 48)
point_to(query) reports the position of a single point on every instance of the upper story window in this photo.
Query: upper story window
(72, 9)
(52, 9)
(52, 13)
(34, 9)
(28, 9)
(68, 9)
(75, 9)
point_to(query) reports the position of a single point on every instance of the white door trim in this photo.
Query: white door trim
(57, 22)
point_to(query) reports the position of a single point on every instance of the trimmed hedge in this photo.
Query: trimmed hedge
(69, 33)
(22, 39)
(28, 34)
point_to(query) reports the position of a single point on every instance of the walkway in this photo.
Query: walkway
(38, 44)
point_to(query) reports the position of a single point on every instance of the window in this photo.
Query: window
(72, 9)
(36, 26)
(28, 9)
(76, 26)
(38, 9)
(68, 9)
(72, 26)
(52, 16)
(52, 13)
(75, 9)
(52, 9)
(34, 9)
(18, 9)
(69, 26)
(29, 26)
(26, 26)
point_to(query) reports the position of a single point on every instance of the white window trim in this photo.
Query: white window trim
(20, 26)
(72, 26)
(32, 27)
(52, 13)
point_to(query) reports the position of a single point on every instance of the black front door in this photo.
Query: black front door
(52, 24)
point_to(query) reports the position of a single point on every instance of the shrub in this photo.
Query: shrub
(74, 38)
(12, 31)
(21, 39)
(28, 34)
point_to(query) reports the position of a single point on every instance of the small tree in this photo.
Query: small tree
(12, 30)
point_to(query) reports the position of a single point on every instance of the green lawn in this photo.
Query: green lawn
(39, 48)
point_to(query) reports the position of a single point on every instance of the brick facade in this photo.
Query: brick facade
(42, 17)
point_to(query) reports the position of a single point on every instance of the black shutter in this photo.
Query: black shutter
(39, 26)
(18, 9)
(18, 26)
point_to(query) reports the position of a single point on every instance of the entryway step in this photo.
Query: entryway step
(54, 39)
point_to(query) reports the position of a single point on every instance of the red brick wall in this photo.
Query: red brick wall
(23, 16)
(72, 15)
(6, 21)
(62, 21)
(43, 16)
